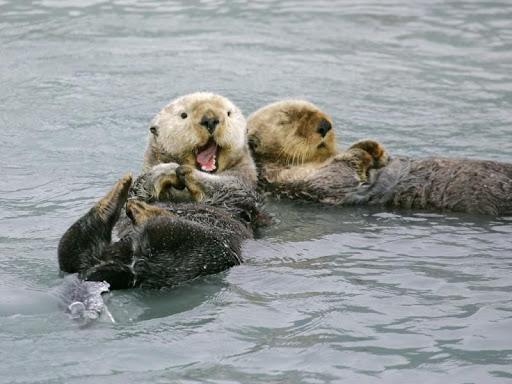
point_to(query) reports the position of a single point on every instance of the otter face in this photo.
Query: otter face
(291, 132)
(204, 130)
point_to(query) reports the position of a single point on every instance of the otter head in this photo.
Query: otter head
(201, 129)
(291, 132)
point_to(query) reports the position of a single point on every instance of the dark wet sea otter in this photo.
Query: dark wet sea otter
(293, 145)
(163, 243)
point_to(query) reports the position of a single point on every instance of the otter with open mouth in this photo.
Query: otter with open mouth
(203, 130)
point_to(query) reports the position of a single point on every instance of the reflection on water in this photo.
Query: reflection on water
(361, 294)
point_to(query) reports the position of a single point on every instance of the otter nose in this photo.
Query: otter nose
(323, 127)
(210, 123)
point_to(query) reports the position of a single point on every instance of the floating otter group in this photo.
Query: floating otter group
(197, 199)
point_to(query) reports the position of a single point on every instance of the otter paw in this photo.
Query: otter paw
(164, 177)
(109, 207)
(376, 150)
(360, 160)
(139, 212)
(187, 176)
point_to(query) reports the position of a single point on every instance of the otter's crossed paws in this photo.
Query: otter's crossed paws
(380, 157)
(174, 182)
(364, 155)
(187, 176)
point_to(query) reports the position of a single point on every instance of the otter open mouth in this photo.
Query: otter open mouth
(206, 156)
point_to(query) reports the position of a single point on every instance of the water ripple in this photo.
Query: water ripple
(356, 294)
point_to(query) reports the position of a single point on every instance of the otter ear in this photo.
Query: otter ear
(154, 130)
(254, 143)
(154, 127)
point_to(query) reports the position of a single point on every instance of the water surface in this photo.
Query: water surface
(326, 295)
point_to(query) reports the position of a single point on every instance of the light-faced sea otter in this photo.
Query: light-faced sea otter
(205, 131)
(296, 156)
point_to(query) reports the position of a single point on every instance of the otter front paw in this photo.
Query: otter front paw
(360, 160)
(162, 177)
(376, 150)
(160, 183)
(187, 175)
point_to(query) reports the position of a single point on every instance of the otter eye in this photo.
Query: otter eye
(184, 115)
(229, 113)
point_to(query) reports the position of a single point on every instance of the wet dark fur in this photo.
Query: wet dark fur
(459, 185)
(231, 194)
(194, 240)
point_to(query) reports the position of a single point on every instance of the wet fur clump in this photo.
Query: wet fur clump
(364, 174)
(164, 244)
(172, 184)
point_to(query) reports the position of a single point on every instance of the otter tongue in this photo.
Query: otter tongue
(206, 157)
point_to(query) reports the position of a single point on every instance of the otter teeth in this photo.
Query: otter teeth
(210, 166)
(206, 157)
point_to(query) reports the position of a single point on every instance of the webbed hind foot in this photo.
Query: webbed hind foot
(82, 244)
(139, 212)
(109, 207)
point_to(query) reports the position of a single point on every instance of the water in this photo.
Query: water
(327, 295)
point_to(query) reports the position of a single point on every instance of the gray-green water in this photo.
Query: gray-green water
(327, 295)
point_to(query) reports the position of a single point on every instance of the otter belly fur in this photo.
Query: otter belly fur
(441, 184)
(459, 185)
(165, 244)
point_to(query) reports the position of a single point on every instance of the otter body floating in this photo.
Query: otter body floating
(458, 185)
(163, 244)
(186, 215)
(298, 160)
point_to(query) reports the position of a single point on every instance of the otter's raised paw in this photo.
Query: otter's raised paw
(109, 207)
(376, 150)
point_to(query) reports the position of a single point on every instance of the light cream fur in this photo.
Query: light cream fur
(288, 147)
(173, 138)
(286, 132)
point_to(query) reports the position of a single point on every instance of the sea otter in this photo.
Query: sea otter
(165, 243)
(296, 156)
(203, 130)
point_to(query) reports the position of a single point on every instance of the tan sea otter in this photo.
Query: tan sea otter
(203, 130)
(296, 156)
